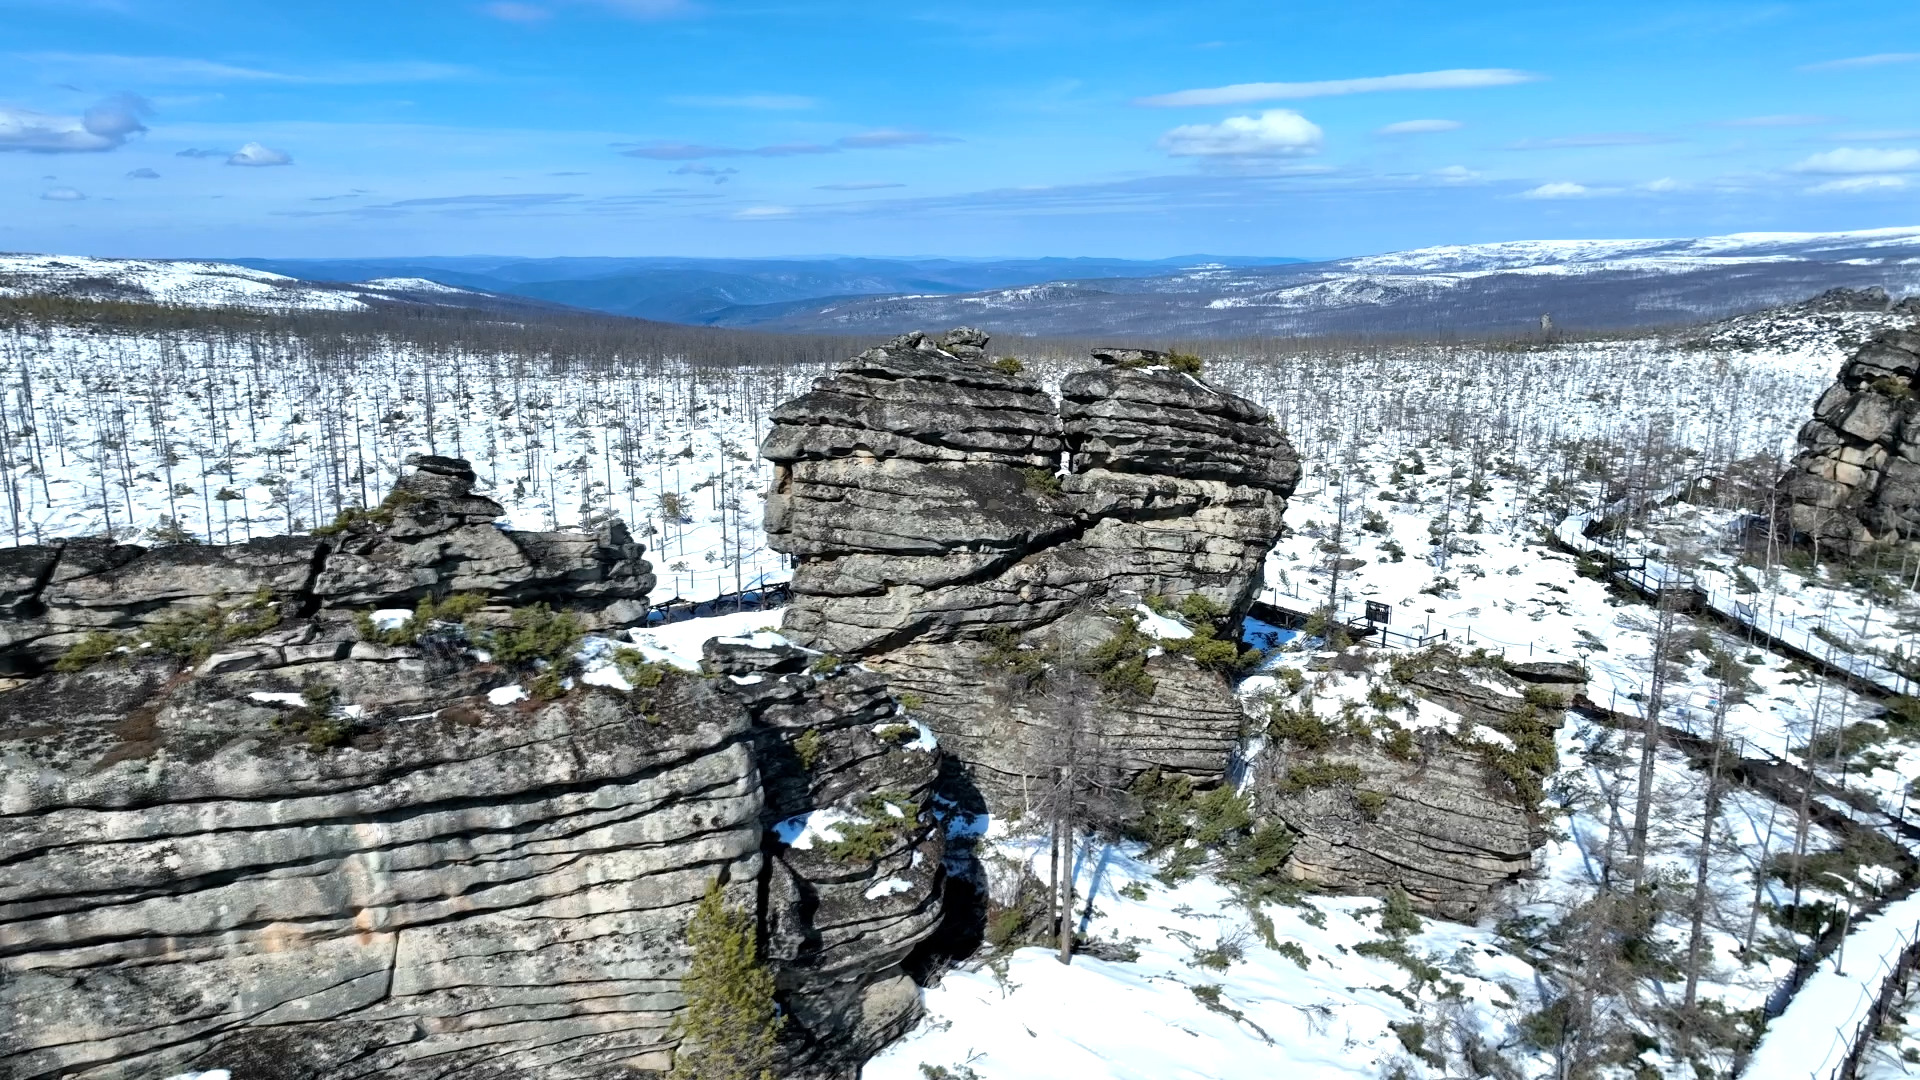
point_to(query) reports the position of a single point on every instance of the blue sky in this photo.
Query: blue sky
(720, 127)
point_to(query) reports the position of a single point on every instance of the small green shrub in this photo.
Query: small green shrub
(1292, 951)
(1300, 727)
(314, 719)
(536, 633)
(1319, 773)
(355, 518)
(1397, 917)
(825, 664)
(1042, 480)
(1004, 650)
(880, 830)
(1008, 365)
(1370, 803)
(730, 1028)
(88, 651)
(1120, 663)
(1220, 956)
(452, 611)
(911, 701)
(1399, 744)
(640, 673)
(807, 748)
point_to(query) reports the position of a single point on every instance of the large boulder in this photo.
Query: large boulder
(296, 854)
(941, 509)
(1855, 484)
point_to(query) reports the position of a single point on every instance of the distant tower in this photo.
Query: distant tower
(1546, 323)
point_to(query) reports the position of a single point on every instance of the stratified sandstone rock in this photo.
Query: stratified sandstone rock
(1442, 814)
(1856, 482)
(433, 538)
(924, 496)
(476, 884)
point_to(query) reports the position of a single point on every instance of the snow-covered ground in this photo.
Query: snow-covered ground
(1433, 474)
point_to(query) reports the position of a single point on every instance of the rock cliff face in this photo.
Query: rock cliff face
(1856, 482)
(1447, 815)
(946, 516)
(299, 854)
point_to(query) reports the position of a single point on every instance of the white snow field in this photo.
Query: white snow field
(1434, 475)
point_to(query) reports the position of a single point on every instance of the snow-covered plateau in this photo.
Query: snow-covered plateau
(1434, 477)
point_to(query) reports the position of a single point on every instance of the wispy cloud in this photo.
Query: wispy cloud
(860, 185)
(1455, 174)
(143, 174)
(1875, 60)
(62, 194)
(1861, 185)
(1247, 93)
(106, 126)
(1273, 133)
(176, 70)
(1584, 142)
(1561, 189)
(1779, 121)
(1419, 127)
(647, 9)
(197, 152)
(762, 212)
(771, 102)
(254, 155)
(871, 140)
(1847, 160)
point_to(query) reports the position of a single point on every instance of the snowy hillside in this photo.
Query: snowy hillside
(201, 284)
(1473, 288)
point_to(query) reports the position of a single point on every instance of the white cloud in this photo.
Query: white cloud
(105, 126)
(1274, 133)
(1850, 160)
(143, 174)
(1246, 93)
(62, 194)
(255, 155)
(887, 138)
(1857, 185)
(861, 185)
(1876, 60)
(1558, 190)
(749, 101)
(1419, 127)
(1665, 183)
(1883, 135)
(1455, 174)
(762, 212)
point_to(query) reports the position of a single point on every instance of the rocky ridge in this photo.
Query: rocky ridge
(248, 836)
(948, 516)
(1856, 481)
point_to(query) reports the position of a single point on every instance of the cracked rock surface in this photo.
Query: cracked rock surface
(1855, 484)
(469, 884)
(936, 504)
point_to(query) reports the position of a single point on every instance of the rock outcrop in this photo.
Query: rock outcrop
(293, 853)
(1856, 482)
(947, 515)
(432, 537)
(1448, 814)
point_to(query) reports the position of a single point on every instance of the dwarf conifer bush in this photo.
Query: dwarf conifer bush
(730, 1027)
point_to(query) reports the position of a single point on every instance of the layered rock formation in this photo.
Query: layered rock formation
(947, 515)
(297, 854)
(1856, 482)
(432, 537)
(1448, 815)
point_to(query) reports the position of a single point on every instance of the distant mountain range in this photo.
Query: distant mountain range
(718, 291)
(1469, 289)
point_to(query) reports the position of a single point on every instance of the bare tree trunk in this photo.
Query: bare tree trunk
(1696, 937)
(1650, 744)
